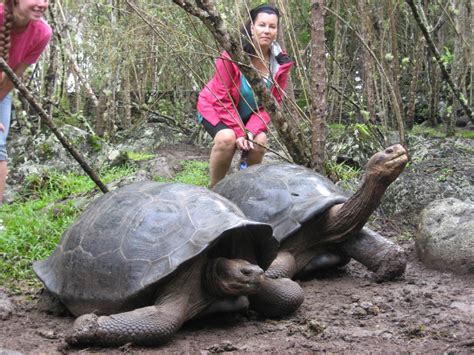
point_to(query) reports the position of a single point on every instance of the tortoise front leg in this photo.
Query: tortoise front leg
(381, 256)
(284, 265)
(277, 297)
(145, 326)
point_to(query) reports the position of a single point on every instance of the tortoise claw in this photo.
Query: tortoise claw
(84, 331)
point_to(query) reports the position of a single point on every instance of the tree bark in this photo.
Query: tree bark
(318, 84)
(395, 63)
(367, 61)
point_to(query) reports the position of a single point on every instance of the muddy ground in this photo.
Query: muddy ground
(424, 312)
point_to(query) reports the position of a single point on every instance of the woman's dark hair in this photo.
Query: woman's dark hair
(246, 30)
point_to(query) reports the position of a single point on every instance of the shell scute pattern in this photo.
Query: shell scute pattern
(129, 240)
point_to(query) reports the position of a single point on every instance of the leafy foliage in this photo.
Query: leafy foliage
(357, 143)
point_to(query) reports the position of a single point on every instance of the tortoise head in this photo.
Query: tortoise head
(385, 166)
(231, 277)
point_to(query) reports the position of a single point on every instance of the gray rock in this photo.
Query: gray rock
(9, 352)
(445, 236)
(439, 169)
(6, 307)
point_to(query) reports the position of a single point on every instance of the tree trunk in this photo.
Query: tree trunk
(367, 61)
(126, 112)
(318, 85)
(335, 76)
(416, 65)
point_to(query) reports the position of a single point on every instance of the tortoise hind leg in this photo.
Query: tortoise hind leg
(323, 258)
(277, 297)
(381, 256)
(145, 326)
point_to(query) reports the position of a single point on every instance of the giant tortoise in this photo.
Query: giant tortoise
(143, 259)
(316, 223)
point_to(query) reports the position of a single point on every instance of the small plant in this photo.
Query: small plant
(444, 175)
(341, 171)
(138, 156)
(95, 142)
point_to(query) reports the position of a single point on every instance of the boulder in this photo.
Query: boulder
(445, 236)
(6, 307)
(440, 168)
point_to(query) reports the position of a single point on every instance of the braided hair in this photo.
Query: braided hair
(5, 29)
(245, 30)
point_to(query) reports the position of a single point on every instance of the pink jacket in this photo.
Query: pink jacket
(219, 99)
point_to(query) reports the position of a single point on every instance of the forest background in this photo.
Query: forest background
(115, 64)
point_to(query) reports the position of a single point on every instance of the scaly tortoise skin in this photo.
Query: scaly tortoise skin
(317, 224)
(143, 259)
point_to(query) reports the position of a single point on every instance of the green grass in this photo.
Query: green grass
(138, 156)
(33, 227)
(194, 173)
(440, 132)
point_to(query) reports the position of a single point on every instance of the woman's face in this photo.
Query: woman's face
(27, 10)
(264, 30)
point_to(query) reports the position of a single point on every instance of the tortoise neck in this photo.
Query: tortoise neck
(210, 279)
(351, 216)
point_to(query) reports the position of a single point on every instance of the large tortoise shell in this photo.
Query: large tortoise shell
(283, 195)
(129, 239)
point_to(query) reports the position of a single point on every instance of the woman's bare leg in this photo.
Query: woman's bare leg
(3, 178)
(221, 155)
(257, 153)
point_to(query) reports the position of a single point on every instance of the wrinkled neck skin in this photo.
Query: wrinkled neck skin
(340, 220)
(213, 284)
(184, 292)
(352, 215)
(209, 279)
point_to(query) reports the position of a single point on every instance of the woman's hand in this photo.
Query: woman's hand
(2, 127)
(243, 144)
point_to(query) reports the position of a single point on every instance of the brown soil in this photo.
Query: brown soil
(425, 312)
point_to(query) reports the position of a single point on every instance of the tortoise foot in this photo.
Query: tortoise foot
(392, 267)
(277, 298)
(85, 330)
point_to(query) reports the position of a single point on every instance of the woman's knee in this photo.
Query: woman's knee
(262, 140)
(225, 139)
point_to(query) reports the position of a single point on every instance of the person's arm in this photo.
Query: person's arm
(226, 75)
(6, 85)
